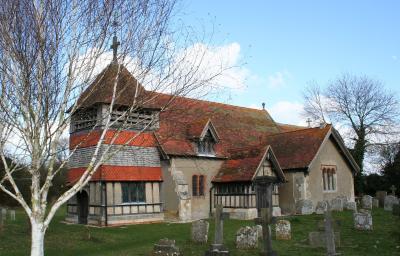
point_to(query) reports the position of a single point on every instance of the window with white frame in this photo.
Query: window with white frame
(206, 145)
(329, 178)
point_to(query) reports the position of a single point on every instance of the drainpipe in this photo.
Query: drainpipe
(211, 189)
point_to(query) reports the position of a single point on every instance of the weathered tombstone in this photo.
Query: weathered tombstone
(344, 200)
(218, 248)
(266, 220)
(393, 189)
(352, 206)
(362, 220)
(389, 202)
(283, 230)
(259, 231)
(321, 207)
(304, 206)
(199, 231)
(326, 237)
(246, 238)
(329, 233)
(396, 209)
(317, 239)
(366, 202)
(12, 215)
(336, 205)
(381, 197)
(166, 247)
(375, 203)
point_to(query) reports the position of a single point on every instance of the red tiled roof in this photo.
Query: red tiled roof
(84, 139)
(289, 127)
(118, 173)
(296, 149)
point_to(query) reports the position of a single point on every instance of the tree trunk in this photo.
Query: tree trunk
(37, 243)
(358, 153)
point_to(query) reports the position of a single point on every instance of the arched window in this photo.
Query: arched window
(198, 185)
(329, 178)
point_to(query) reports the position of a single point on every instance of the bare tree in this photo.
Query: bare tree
(50, 51)
(359, 103)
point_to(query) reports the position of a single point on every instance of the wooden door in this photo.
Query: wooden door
(83, 207)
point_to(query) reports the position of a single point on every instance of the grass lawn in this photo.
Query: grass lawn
(63, 239)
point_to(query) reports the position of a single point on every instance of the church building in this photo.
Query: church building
(177, 157)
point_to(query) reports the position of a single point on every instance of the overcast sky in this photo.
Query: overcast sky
(287, 44)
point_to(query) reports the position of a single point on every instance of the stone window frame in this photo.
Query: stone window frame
(329, 178)
(198, 185)
(205, 146)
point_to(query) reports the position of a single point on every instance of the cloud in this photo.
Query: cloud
(278, 79)
(394, 57)
(287, 112)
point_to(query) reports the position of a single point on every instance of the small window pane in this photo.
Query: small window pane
(194, 185)
(201, 185)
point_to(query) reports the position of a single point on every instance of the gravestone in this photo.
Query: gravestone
(246, 238)
(321, 207)
(166, 247)
(12, 215)
(381, 197)
(283, 230)
(396, 210)
(362, 220)
(336, 205)
(393, 189)
(375, 203)
(366, 202)
(389, 202)
(344, 200)
(266, 220)
(259, 231)
(199, 231)
(304, 206)
(218, 248)
(352, 206)
(327, 238)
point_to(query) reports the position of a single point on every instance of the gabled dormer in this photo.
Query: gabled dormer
(205, 137)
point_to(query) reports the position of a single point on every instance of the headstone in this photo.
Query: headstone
(393, 189)
(336, 204)
(375, 203)
(344, 200)
(283, 230)
(12, 215)
(352, 206)
(396, 209)
(266, 220)
(218, 248)
(166, 247)
(362, 220)
(389, 202)
(246, 238)
(199, 231)
(381, 197)
(304, 206)
(259, 231)
(321, 207)
(366, 202)
(318, 239)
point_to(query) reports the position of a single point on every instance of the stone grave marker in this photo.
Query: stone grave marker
(218, 248)
(283, 230)
(366, 202)
(199, 231)
(393, 189)
(352, 206)
(336, 205)
(305, 207)
(4, 213)
(381, 197)
(389, 202)
(246, 238)
(327, 238)
(266, 220)
(166, 247)
(396, 210)
(321, 207)
(12, 215)
(375, 203)
(362, 220)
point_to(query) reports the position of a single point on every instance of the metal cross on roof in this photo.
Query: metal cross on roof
(309, 122)
(114, 46)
